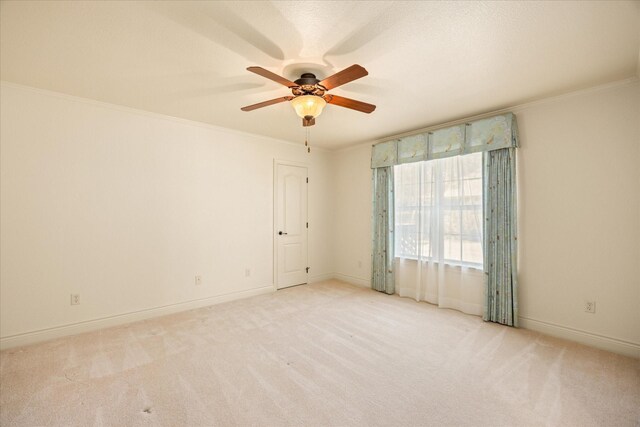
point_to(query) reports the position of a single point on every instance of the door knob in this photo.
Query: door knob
(281, 233)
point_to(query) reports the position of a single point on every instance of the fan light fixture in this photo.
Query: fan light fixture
(308, 105)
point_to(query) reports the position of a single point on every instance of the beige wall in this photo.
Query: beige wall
(352, 237)
(125, 208)
(579, 176)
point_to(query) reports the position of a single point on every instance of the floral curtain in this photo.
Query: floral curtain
(501, 240)
(382, 277)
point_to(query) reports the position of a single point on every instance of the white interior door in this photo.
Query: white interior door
(291, 225)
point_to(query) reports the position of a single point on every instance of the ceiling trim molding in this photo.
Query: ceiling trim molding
(513, 109)
(122, 108)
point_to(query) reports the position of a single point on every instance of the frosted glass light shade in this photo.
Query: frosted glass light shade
(308, 105)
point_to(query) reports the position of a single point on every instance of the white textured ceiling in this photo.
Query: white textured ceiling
(428, 62)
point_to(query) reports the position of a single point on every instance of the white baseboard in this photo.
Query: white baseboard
(358, 281)
(33, 337)
(614, 345)
(599, 341)
(321, 278)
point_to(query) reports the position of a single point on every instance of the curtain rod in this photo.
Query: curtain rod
(443, 125)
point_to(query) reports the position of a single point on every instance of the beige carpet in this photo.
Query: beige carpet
(327, 354)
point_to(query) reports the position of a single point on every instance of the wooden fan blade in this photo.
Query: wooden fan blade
(266, 103)
(272, 76)
(345, 76)
(349, 103)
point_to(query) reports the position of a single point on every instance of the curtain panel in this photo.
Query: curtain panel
(501, 240)
(382, 268)
(438, 232)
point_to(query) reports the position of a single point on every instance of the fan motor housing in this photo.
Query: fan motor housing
(307, 79)
(308, 84)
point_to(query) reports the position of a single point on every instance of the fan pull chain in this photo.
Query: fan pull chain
(306, 140)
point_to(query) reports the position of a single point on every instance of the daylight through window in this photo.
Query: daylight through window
(438, 210)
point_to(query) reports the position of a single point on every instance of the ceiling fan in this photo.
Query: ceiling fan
(310, 94)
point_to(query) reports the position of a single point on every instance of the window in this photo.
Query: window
(438, 210)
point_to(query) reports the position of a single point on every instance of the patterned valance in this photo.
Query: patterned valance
(488, 134)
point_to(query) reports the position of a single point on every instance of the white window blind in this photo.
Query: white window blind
(438, 210)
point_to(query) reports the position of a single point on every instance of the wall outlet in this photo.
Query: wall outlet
(247, 272)
(198, 280)
(75, 299)
(590, 306)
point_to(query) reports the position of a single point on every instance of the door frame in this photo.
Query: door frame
(276, 164)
